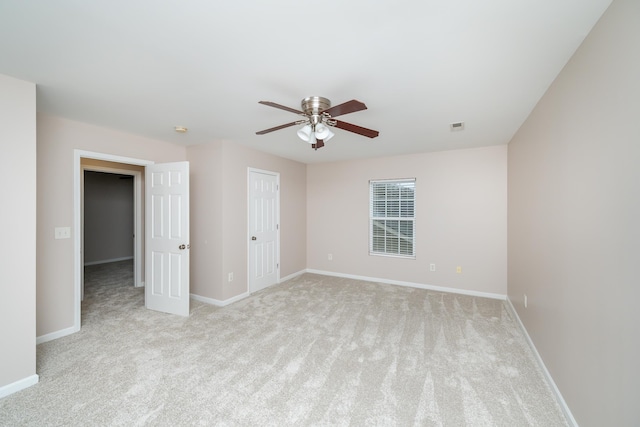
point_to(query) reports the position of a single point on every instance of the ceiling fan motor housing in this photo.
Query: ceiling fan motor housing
(314, 105)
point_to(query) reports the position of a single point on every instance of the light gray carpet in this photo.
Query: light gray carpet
(314, 350)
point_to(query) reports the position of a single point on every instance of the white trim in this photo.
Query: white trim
(223, 303)
(18, 385)
(411, 284)
(563, 404)
(277, 175)
(107, 261)
(217, 302)
(57, 334)
(292, 276)
(78, 155)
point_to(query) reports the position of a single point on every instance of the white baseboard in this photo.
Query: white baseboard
(293, 275)
(223, 303)
(217, 302)
(411, 284)
(107, 261)
(18, 385)
(565, 408)
(55, 335)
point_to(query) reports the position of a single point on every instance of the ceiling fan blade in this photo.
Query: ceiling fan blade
(319, 144)
(282, 107)
(262, 132)
(357, 129)
(345, 108)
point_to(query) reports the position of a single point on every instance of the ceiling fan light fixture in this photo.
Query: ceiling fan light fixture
(329, 136)
(305, 134)
(323, 132)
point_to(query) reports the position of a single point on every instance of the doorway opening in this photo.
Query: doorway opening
(112, 214)
(85, 161)
(109, 230)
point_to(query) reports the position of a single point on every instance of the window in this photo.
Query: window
(392, 217)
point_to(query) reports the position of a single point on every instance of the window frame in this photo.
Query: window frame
(386, 217)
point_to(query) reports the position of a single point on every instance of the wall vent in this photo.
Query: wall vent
(456, 126)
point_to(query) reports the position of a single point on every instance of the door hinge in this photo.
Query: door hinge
(277, 226)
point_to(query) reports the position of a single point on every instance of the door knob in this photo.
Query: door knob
(181, 247)
(254, 238)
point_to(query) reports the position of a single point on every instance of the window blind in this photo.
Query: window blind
(392, 217)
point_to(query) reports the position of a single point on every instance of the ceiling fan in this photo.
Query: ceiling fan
(317, 114)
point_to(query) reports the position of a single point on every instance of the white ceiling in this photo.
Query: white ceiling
(145, 66)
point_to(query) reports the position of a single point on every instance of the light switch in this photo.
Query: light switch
(63, 232)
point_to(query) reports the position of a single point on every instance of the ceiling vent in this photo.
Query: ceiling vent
(456, 126)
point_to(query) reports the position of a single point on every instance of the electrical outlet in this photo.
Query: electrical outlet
(525, 300)
(62, 232)
(432, 267)
(231, 277)
(330, 257)
(458, 269)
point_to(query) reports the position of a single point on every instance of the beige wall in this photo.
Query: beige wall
(206, 184)
(18, 214)
(57, 139)
(108, 217)
(219, 213)
(460, 218)
(574, 230)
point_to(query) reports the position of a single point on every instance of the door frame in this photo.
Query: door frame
(78, 178)
(277, 175)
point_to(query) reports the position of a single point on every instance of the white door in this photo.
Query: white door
(167, 237)
(264, 210)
